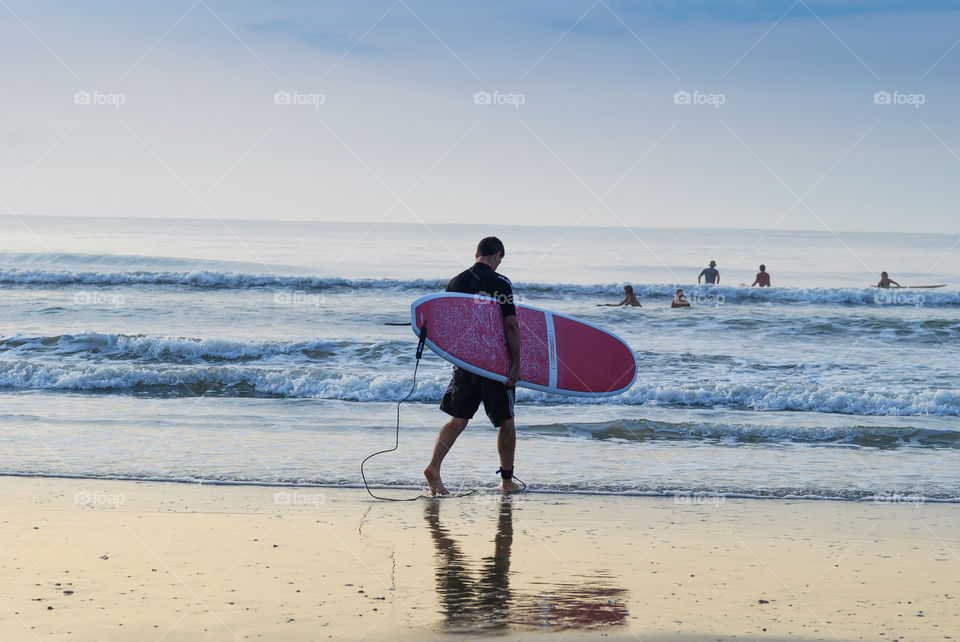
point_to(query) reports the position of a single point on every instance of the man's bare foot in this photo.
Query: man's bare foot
(510, 486)
(433, 481)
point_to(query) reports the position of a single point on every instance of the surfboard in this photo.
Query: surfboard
(915, 287)
(559, 354)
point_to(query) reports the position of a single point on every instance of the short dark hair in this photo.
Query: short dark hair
(763, 268)
(490, 245)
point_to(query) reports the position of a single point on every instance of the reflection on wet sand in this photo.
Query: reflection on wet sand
(477, 598)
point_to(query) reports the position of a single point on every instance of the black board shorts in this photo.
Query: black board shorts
(467, 390)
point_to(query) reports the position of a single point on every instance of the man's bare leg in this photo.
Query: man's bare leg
(448, 435)
(506, 446)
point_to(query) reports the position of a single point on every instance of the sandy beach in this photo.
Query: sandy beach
(112, 560)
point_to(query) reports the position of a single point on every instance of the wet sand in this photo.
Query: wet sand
(111, 560)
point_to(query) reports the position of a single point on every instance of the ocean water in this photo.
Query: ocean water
(256, 352)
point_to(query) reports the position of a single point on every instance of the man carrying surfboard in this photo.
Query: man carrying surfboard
(466, 389)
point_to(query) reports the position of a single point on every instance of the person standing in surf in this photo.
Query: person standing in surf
(711, 275)
(466, 390)
(763, 278)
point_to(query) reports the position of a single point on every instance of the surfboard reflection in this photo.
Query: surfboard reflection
(478, 598)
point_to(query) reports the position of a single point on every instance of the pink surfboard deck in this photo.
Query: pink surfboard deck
(559, 354)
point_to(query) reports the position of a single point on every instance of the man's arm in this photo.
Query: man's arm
(512, 330)
(718, 278)
(700, 276)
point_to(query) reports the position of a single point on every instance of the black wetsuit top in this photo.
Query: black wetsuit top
(481, 279)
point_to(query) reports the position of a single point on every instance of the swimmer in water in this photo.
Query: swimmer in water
(629, 298)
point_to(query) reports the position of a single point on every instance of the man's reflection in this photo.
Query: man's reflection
(482, 601)
(468, 603)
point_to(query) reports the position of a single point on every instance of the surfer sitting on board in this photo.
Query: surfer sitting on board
(467, 390)
(763, 278)
(885, 281)
(679, 301)
(710, 274)
(629, 298)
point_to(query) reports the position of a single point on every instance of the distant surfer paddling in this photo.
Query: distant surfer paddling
(467, 390)
(886, 282)
(629, 298)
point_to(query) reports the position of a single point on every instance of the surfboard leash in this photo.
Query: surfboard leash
(504, 473)
(396, 445)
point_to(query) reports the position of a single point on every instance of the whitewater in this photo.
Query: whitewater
(253, 352)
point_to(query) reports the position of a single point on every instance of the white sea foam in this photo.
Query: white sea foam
(320, 383)
(796, 381)
(95, 345)
(700, 295)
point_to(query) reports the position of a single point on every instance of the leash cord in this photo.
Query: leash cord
(396, 445)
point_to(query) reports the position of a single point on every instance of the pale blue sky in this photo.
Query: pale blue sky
(797, 143)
